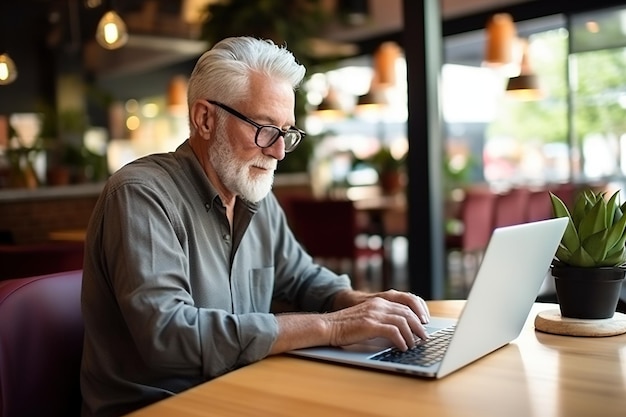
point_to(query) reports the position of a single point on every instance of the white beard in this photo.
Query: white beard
(236, 174)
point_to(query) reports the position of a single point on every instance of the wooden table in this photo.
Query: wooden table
(70, 235)
(385, 216)
(388, 211)
(538, 374)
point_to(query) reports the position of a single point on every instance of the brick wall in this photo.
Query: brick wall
(30, 215)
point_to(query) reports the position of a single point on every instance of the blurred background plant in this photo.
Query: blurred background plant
(297, 24)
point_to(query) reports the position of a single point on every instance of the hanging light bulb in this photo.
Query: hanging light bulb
(525, 86)
(8, 70)
(330, 107)
(375, 98)
(111, 32)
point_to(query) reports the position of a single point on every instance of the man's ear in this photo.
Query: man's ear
(202, 118)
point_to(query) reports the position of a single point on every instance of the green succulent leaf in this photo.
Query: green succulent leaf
(612, 251)
(559, 209)
(580, 209)
(595, 245)
(596, 233)
(593, 221)
(570, 236)
(580, 257)
(616, 259)
(611, 209)
(563, 254)
(616, 236)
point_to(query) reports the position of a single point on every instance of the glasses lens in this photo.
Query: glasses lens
(267, 135)
(292, 139)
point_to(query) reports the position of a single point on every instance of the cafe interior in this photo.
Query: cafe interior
(407, 120)
(429, 124)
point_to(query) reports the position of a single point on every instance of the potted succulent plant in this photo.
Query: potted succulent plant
(589, 265)
(391, 170)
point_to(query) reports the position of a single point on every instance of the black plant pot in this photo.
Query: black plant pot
(588, 293)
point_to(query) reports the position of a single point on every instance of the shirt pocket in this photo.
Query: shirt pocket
(261, 289)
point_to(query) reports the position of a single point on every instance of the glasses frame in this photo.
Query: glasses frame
(259, 126)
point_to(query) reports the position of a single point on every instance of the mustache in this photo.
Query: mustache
(265, 163)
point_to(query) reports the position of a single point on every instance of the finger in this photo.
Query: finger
(409, 325)
(418, 328)
(392, 333)
(425, 313)
(406, 325)
(398, 331)
(420, 307)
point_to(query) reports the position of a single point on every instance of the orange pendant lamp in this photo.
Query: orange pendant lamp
(384, 76)
(501, 38)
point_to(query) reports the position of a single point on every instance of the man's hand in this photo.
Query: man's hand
(394, 315)
(358, 316)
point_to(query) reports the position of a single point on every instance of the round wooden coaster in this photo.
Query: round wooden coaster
(550, 321)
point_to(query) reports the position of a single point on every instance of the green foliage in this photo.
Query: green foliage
(596, 233)
(384, 161)
(292, 23)
(457, 176)
(599, 79)
(595, 107)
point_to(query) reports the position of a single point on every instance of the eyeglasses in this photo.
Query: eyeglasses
(267, 135)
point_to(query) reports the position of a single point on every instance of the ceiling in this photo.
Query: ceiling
(386, 16)
(161, 31)
(162, 43)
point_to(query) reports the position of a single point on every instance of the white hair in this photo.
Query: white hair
(224, 70)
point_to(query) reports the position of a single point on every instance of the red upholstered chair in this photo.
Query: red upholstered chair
(477, 215)
(511, 207)
(329, 231)
(477, 218)
(539, 206)
(41, 339)
(31, 259)
(566, 192)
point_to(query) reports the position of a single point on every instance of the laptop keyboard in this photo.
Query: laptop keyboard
(425, 353)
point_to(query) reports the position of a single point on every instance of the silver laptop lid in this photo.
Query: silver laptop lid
(515, 264)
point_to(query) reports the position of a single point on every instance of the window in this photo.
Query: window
(575, 132)
(496, 138)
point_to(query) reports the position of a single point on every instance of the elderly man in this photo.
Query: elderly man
(186, 251)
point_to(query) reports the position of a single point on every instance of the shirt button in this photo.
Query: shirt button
(227, 237)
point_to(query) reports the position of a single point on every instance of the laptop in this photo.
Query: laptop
(514, 266)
